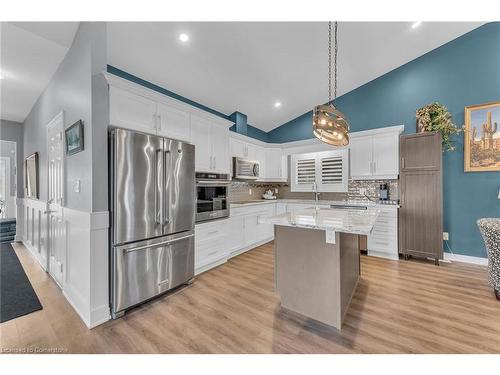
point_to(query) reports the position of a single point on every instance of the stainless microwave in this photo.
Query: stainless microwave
(244, 169)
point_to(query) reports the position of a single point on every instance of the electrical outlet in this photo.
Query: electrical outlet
(362, 191)
(249, 191)
(446, 236)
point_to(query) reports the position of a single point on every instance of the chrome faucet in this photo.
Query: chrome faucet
(316, 193)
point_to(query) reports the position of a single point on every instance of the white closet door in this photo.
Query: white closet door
(56, 182)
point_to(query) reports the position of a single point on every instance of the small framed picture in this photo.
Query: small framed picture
(74, 138)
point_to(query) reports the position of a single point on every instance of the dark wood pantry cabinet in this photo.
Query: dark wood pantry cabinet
(421, 196)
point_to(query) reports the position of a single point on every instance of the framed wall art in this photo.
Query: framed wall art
(482, 138)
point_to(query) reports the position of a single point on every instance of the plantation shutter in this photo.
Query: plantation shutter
(306, 171)
(331, 170)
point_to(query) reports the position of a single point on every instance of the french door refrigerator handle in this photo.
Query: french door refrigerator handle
(164, 243)
(158, 200)
(166, 191)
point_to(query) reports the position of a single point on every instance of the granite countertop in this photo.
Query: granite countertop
(312, 202)
(329, 219)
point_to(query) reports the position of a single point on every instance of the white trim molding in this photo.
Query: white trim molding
(450, 257)
(85, 280)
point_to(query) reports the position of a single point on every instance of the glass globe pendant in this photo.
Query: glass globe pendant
(329, 124)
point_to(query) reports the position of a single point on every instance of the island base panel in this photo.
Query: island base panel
(314, 278)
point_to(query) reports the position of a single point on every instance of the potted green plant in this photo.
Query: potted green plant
(435, 117)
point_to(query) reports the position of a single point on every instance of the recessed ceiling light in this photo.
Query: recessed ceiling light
(277, 104)
(184, 37)
(416, 24)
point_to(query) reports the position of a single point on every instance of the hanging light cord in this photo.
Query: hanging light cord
(335, 52)
(329, 62)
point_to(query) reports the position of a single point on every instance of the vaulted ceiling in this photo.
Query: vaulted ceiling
(249, 66)
(228, 66)
(30, 53)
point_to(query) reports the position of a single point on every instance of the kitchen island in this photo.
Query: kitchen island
(317, 259)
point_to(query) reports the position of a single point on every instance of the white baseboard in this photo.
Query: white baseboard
(449, 257)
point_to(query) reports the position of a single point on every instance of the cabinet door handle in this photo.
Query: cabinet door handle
(215, 163)
(374, 167)
(402, 163)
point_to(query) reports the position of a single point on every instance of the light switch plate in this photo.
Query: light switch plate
(249, 191)
(76, 186)
(446, 236)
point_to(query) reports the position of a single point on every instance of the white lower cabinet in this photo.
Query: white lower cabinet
(218, 240)
(210, 244)
(383, 241)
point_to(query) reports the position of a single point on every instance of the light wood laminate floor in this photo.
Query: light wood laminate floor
(399, 307)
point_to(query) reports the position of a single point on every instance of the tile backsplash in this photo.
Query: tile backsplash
(244, 191)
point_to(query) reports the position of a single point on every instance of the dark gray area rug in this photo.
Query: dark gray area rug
(17, 297)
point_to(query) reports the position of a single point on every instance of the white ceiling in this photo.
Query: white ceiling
(248, 66)
(30, 53)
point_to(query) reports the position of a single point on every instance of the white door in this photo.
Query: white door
(173, 123)
(132, 111)
(386, 155)
(220, 149)
(361, 157)
(55, 222)
(200, 137)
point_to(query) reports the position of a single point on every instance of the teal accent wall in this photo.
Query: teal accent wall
(465, 71)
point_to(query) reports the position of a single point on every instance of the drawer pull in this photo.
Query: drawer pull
(212, 232)
(163, 282)
(213, 252)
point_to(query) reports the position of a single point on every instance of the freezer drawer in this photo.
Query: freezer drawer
(146, 269)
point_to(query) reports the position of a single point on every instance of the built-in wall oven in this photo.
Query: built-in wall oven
(211, 196)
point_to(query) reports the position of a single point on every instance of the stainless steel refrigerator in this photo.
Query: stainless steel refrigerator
(152, 204)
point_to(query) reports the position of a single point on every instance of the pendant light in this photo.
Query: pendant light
(329, 124)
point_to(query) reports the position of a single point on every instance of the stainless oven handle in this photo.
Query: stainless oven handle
(158, 244)
(213, 182)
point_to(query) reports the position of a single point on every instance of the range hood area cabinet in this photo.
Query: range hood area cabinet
(272, 161)
(375, 155)
(325, 171)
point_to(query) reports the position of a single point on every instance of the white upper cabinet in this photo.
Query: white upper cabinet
(238, 148)
(220, 149)
(386, 155)
(325, 171)
(361, 157)
(173, 123)
(131, 111)
(212, 145)
(200, 137)
(275, 165)
(375, 156)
